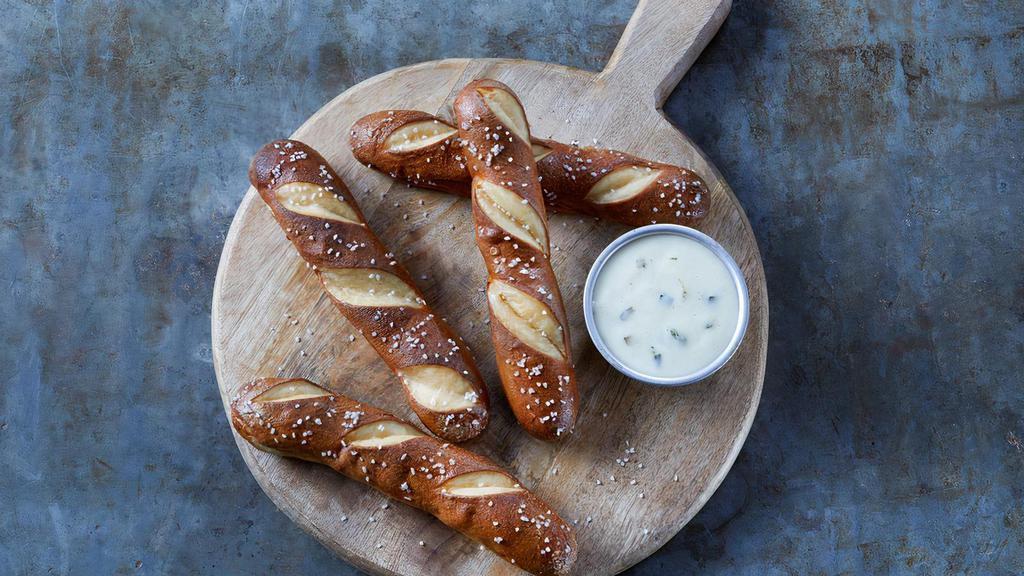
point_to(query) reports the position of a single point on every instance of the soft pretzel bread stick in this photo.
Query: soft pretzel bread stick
(528, 322)
(426, 152)
(369, 286)
(298, 419)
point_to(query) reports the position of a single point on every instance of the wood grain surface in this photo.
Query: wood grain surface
(642, 460)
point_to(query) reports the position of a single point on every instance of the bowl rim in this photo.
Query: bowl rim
(735, 272)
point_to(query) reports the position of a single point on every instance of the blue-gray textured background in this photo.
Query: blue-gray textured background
(876, 145)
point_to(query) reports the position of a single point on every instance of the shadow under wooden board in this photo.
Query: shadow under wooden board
(686, 439)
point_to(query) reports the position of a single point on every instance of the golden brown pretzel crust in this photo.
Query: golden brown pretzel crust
(541, 387)
(568, 172)
(404, 336)
(515, 525)
(439, 166)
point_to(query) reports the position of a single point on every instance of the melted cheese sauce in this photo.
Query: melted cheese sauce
(665, 305)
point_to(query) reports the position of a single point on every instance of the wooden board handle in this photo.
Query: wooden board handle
(661, 42)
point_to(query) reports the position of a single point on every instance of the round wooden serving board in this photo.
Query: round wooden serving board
(685, 439)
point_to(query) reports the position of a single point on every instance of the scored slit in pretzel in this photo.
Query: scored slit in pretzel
(438, 387)
(510, 211)
(527, 318)
(369, 287)
(291, 391)
(419, 135)
(314, 200)
(381, 433)
(539, 151)
(622, 184)
(482, 483)
(507, 109)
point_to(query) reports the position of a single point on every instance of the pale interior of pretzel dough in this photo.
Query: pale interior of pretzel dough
(438, 388)
(507, 109)
(539, 152)
(510, 211)
(369, 287)
(527, 318)
(381, 433)
(483, 483)
(293, 390)
(316, 201)
(622, 184)
(419, 135)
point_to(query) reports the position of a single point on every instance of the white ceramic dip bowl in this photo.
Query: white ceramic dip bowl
(665, 311)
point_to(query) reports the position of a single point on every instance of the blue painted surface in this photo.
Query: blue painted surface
(876, 145)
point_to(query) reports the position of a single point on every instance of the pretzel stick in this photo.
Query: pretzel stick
(528, 320)
(298, 419)
(369, 286)
(426, 152)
